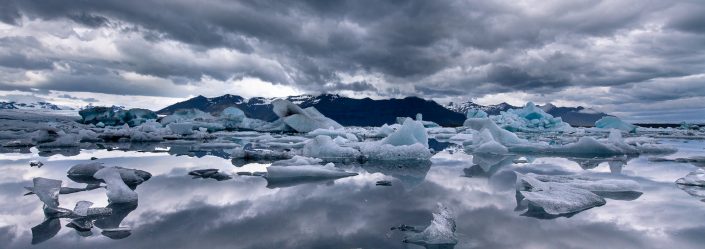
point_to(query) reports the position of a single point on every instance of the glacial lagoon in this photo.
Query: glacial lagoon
(178, 210)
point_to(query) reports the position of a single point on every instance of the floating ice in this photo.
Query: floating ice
(475, 113)
(611, 122)
(610, 188)
(298, 160)
(210, 173)
(309, 172)
(500, 135)
(187, 115)
(554, 198)
(325, 148)
(485, 144)
(115, 116)
(249, 153)
(695, 178)
(614, 145)
(441, 232)
(411, 132)
(334, 133)
(530, 119)
(36, 163)
(232, 117)
(698, 161)
(117, 190)
(302, 120)
(183, 129)
(374, 151)
(84, 173)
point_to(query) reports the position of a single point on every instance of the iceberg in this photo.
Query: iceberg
(485, 144)
(475, 113)
(302, 120)
(612, 122)
(409, 142)
(325, 148)
(695, 178)
(440, 233)
(530, 118)
(117, 190)
(232, 117)
(138, 116)
(500, 135)
(113, 116)
(411, 132)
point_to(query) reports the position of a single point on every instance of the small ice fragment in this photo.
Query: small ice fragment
(384, 183)
(36, 163)
(117, 233)
(695, 178)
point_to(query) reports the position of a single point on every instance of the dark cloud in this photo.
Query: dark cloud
(442, 48)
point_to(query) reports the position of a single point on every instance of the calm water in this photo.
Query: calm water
(176, 211)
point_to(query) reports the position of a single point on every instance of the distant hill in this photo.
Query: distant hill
(344, 110)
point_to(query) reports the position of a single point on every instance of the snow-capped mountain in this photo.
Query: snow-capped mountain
(347, 111)
(31, 105)
(489, 109)
(369, 112)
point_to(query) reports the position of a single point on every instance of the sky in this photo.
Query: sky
(642, 60)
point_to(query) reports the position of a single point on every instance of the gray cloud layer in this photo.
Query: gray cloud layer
(440, 49)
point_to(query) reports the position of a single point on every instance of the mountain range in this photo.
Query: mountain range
(368, 112)
(30, 105)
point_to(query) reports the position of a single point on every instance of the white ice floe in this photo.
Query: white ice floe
(695, 178)
(612, 122)
(334, 133)
(554, 198)
(324, 147)
(302, 120)
(298, 160)
(309, 172)
(187, 115)
(590, 147)
(117, 190)
(566, 194)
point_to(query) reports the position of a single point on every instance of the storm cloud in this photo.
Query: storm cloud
(446, 50)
